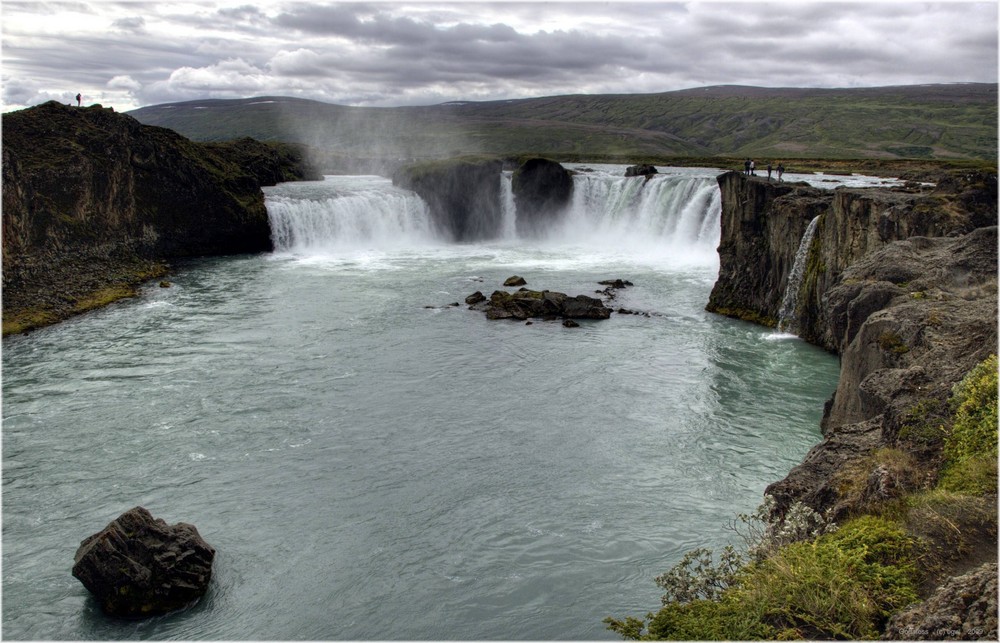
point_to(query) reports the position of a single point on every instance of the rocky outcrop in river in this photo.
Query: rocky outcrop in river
(95, 202)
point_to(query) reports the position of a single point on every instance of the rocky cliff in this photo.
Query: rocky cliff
(542, 189)
(902, 284)
(95, 202)
(763, 223)
(463, 195)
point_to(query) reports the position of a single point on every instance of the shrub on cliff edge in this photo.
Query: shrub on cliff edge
(970, 447)
(839, 585)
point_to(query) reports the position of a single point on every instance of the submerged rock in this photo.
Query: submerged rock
(139, 566)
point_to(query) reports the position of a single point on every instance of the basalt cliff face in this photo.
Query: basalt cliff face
(763, 223)
(95, 202)
(902, 284)
(463, 195)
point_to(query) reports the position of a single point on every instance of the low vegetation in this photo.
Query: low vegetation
(945, 122)
(801, 576)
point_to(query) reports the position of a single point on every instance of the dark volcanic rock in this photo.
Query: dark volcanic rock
(525, 303)
(140, 566)
(641, 170)
(898, 350)
(763, 224)
(463, 195)
(94, 202)
(515, 281)
(542, 190)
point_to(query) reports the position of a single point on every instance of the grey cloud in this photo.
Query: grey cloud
(384, 53)
(135, 24)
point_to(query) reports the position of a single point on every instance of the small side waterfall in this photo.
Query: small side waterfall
(508, 227)
(786, 314)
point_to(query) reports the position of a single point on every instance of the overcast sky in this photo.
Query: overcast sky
(131, 54)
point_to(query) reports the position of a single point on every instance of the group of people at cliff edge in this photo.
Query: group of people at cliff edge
(750, 169)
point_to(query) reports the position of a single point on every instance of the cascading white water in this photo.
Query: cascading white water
(346, 213)
(508, 210)
(786, 314)
(675, 213)
(672, 216)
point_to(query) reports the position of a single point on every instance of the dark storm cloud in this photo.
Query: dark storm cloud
(386, 53)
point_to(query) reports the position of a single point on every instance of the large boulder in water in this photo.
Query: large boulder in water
(140, 566)
(542, 190)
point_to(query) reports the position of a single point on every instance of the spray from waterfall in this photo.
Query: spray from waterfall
(786, 314)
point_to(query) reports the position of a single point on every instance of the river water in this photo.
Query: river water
(372, 463)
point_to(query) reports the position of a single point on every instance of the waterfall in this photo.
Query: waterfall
(673, 215)
(346, 213)
(508, 227)
(679, 214)
(786, 314)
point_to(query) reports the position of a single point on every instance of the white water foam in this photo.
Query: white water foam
(672, 218)
(353, 214)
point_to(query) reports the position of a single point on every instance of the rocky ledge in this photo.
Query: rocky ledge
(95, 203)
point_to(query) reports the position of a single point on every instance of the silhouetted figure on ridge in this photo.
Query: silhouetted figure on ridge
(78, 99)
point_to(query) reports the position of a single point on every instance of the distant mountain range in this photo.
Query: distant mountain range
(948, 121)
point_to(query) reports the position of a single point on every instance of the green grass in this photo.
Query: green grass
(935, 122)
(970, 446)
(840, 585)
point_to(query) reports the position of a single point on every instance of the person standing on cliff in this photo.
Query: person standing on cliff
(768, 170)
(781, 170)
(746, 167)
(753, 168)
(78, 99)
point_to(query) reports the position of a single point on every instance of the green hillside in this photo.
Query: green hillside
(947, 122)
